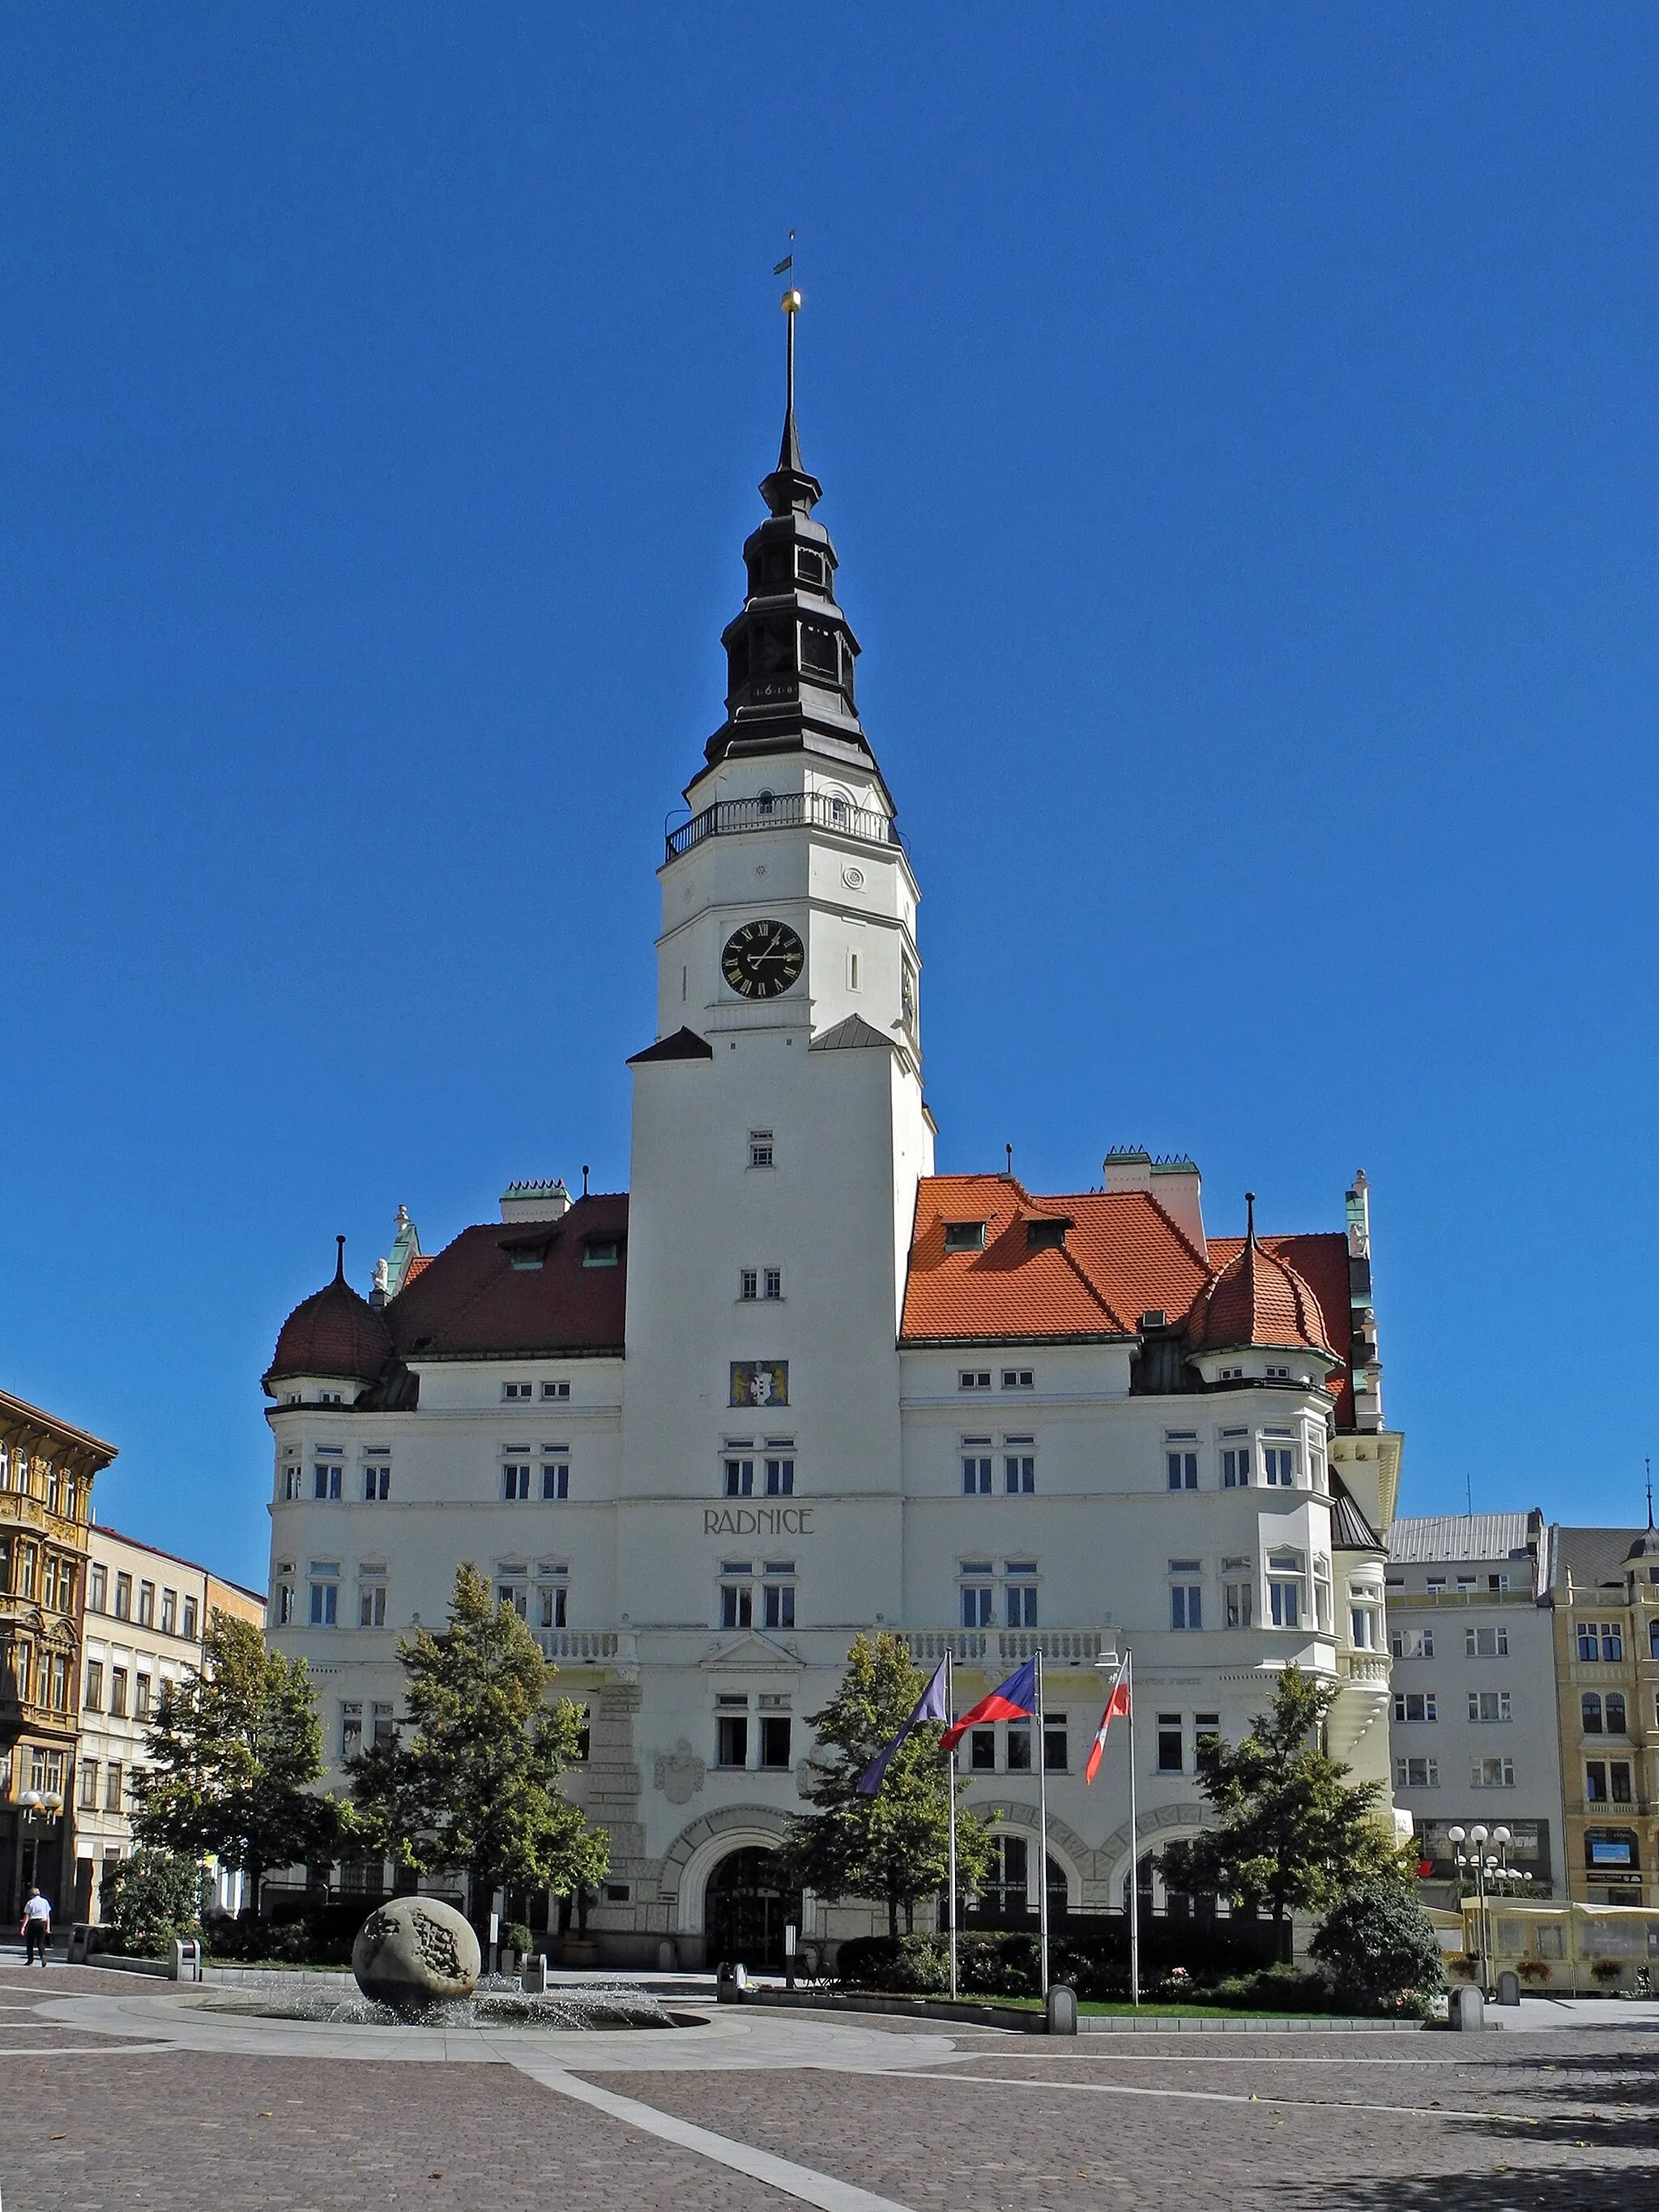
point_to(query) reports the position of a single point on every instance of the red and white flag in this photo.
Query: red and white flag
(1117, 1703)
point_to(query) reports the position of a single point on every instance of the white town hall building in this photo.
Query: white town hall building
(794, 1385)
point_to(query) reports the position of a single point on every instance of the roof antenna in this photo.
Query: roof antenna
(339, 1259)
(1648, 1463)
(584, 1178)
(1010, 1151)
(1249, 1201)
(1468, 1493)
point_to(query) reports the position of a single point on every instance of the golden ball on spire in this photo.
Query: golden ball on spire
(790, 303)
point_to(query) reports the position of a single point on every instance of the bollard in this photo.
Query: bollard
(533, 1979)
(1061, 2010)
(1466, 2010)
(666, 1960)
(1508, 1987)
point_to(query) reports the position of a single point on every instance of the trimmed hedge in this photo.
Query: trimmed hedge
(1006, 1966)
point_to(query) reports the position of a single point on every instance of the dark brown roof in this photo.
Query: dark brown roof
(334, 1332)
(472, 1302)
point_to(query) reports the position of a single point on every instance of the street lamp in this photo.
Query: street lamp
(1493, 1868)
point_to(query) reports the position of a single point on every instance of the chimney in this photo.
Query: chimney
(1127, 1168)
(1175, 1185)
(534, 1201)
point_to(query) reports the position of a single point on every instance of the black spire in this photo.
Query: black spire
(790, 653)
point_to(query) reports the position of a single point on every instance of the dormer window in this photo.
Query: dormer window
(1154, 1317)
(602, 1252)
(1046, 1236)
(964, 1236)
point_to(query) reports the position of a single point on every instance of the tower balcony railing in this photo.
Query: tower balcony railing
(785, 810)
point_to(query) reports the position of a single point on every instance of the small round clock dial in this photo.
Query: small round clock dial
(762, 959)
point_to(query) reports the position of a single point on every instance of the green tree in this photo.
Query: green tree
(151, 1898)
(475, 1784)
(1381, 1947)
(894, 1845)
(233, 1753)
(1292, 1832)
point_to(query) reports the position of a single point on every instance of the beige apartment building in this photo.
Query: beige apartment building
(147, 1613)
(46, 1471)
(1605, 1588)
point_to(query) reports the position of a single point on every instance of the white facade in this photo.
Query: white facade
(1473, 1730)
(702, 1565)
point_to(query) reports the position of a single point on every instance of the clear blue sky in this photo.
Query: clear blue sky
(1240, 433)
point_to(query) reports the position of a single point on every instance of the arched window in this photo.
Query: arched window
(1615, 1712)
(1590, 1706)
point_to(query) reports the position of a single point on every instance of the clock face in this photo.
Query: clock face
(762, 959)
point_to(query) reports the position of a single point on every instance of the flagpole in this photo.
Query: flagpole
(951, 1785)
(1042, 1836)
(1134, 1861)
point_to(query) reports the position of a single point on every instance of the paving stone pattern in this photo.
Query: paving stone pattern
(1562, 2123)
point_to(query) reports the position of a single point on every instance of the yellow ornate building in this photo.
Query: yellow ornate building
(1604, 1588)
(46, 1473)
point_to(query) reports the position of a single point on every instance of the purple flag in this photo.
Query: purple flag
(929, 1707)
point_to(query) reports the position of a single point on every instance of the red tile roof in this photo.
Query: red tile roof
(1123, 1256)
(470, 1300)
(1257, 1298)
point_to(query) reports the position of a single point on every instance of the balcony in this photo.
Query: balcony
(817, 810)
(978, 1647)
(585, 1645)
(1366, 1667)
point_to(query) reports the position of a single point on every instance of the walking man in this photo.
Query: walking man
(36, 1928)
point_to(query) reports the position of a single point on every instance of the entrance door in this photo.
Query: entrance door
(745, 1909)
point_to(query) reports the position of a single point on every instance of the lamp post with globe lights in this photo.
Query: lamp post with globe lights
(1484, 1869)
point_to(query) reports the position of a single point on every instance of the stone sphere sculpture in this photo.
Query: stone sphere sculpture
(415, 1951)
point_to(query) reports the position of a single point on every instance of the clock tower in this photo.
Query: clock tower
(779, 1130)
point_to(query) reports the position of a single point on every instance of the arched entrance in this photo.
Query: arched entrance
(746, 1905)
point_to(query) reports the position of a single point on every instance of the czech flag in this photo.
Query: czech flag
(1117, 1703)
(1012, 1700)
(930, 1706)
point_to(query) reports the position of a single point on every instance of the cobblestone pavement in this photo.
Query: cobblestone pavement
(105, 2114)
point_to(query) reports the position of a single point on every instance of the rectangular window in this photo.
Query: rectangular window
(975, 1466)
(732, 1730)
(737, 1597)
(974, 1378)
(739, 1478)
(515, 1479)
(511, 1391)
(122, 1594)
(1206, 1728)
(1491, 1773)
(377, 1481)
(112, 1786)
(1055, 1743)
(117, 1692)
(325, 1605)
(602, 1252)
(1414, 1705)
(94, 1698)
(774, 1739)
(1618, 1774)
(1021, 1597)
(89, 1785)
(1277, 1463)
(555, 1476)
(778, 1597)
(1489, 1704)
(1019, 1746)
(551, 1600)
(169, 1612)
(1235, 1467)
(351, 1729)
(97, 1588)
(781, 1478)
(982, 1750)
(748, 1283)
(1417, 1773)
(1019, 1378)
(1285, 1600)
(773, 1282)
(285, 1605)
(1485, 1643)
(1411, 1643)
(1186, 1605)
(1595, 1781)
(1365, 1628)
(964, 1236)
(851, 970)
(141, 1696)
(976, 1593)
(371, 1606)
(1238, 1603)
(1168, 1743)
(291, 1481)
(1019, 1468)
(386, 1728)
(760, 1156)
(1181, 1468)
(556, 1390)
